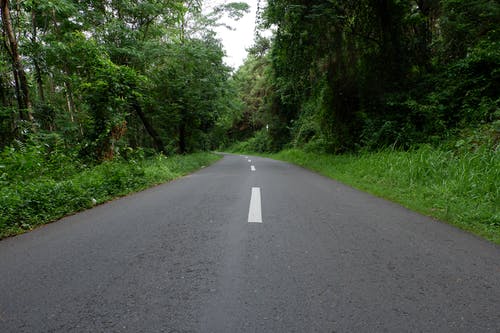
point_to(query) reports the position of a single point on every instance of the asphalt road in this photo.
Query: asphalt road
(182, 257)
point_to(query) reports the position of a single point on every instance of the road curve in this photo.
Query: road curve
(182, 257)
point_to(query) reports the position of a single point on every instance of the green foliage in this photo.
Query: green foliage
(261, 142)
(352, 75)
(253, 81)
(120, 79)
(192, 93)
(109, 92)
(41, 154)
(466, 24)
(338, 53)
(486, 136)
(234, 10)
(108, 76)
(33, 191)
(470, 86)
(461, 187)
(7, 133)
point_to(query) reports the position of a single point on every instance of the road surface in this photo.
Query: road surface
(249, 245)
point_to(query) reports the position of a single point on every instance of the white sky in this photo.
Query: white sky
(236, 41)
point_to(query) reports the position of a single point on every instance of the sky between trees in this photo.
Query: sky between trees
(236, 41)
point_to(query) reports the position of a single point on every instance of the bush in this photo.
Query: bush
(261, 142)
(33, 194)
(461, 186)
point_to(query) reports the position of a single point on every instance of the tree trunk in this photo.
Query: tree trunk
(157, 142)
(17, 89)
(23, 93)
(38, 72)
(69, 98)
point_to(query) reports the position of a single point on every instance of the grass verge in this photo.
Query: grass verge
(459, 188)
(25, 204)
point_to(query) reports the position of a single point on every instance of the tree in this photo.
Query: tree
(191, 80)
(354, 73)
(11, 45)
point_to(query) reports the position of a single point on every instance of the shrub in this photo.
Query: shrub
(43, 196)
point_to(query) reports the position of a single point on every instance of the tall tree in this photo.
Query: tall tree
(11, 44)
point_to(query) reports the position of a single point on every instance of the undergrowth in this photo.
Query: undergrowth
(36, 189)
(462, 189)
(457, 182)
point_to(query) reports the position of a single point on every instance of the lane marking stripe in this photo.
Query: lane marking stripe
(249, 161)
(255, 209)
(252, 168)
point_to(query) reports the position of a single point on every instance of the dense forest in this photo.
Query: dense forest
(97, 77)
(94, 94)
(340, 76)
(102, 78)
(101, 97)
(400, 98)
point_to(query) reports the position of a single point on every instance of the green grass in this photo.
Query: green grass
(461, 188)
(26, 202)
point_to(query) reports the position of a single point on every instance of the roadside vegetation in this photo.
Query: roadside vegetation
(457, 182)
(461, 189)
(38, 186)
(97, 98)
(398, 98)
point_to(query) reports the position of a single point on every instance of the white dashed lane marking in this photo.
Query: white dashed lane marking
(255, 210)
